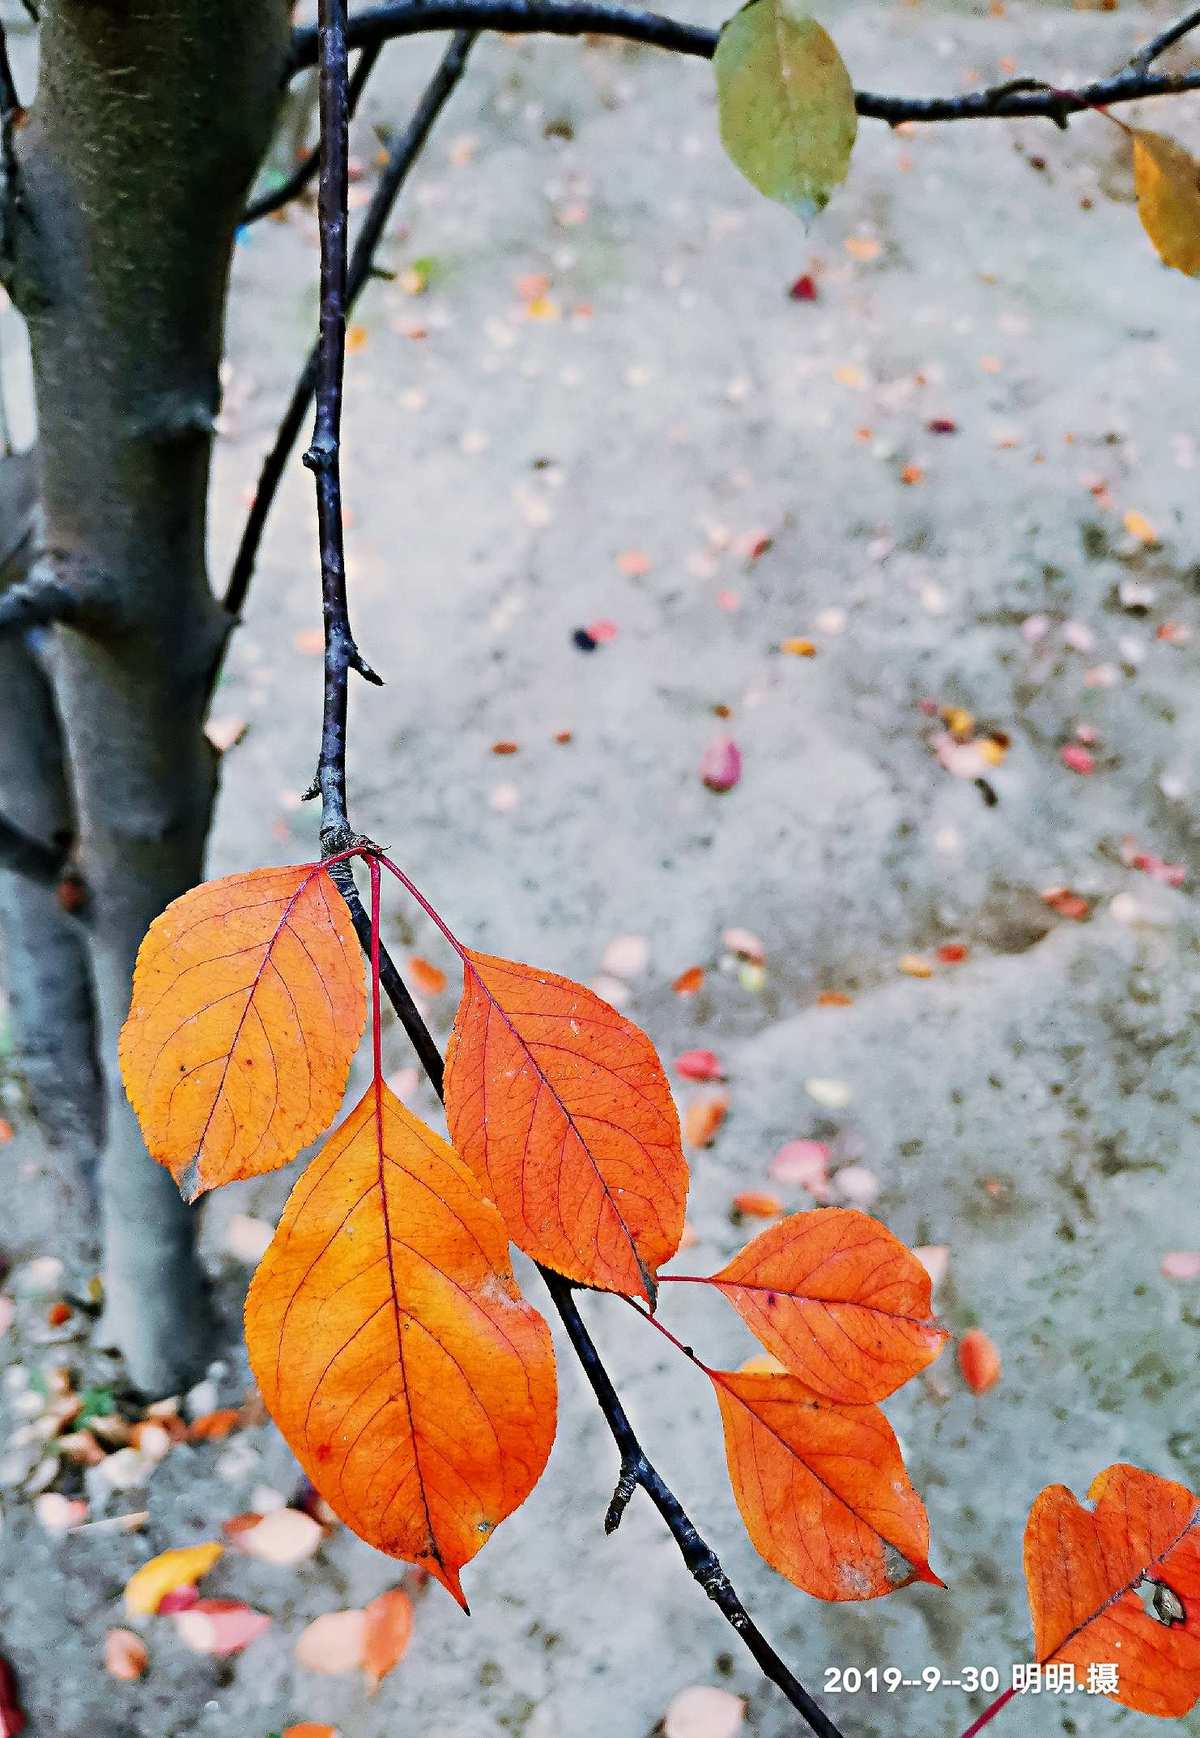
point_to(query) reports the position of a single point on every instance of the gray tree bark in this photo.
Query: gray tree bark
(149, 124)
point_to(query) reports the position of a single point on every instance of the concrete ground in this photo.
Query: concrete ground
(661, 438)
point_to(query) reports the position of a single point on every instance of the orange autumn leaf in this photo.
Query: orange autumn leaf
(839, 1300)
(1087, 1572)
(248, 1004)
(387, 1634)
(412, 1381)
(703, 1118)
(562, 1108)
(978, 1361)
(428, 978)
(687, 983)
(822, 1488)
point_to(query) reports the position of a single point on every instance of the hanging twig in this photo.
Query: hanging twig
(309, 166)
(341, 655)
(404, 153)
(1025, 98)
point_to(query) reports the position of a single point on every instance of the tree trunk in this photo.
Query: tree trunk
(149, 124)
(47, 967)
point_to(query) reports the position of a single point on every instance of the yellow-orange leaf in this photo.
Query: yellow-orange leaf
(563, 1109)
(148, 1586)
(1089, 1570)
(822, 1488)
(839, 1300)
(1167, 179)
(248, 1004)
(412, 1381)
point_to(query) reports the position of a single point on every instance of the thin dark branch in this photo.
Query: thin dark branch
(404, 153)
(307, 169)
(1015, 100)
(323, 457)
(1165, 39)
(29, 857)
(637, 1470)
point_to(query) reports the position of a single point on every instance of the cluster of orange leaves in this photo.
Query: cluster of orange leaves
(414, 1382)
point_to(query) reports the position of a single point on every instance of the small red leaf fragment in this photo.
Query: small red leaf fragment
(979, 1361)
(804, 289)
(721, 764)
(687, 983)
(699, 1065)
(12, 1715)
(1077, 759)
(1067, 904)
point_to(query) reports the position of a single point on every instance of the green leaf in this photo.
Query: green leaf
(786, 104)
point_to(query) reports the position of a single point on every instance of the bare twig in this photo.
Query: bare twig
(1165, 39)
(341, 655)
(1015, 100)
(309, 166)
(404, 153)
(323, 456)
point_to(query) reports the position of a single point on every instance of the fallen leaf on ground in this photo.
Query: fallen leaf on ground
(687, 983)
(703, 1711)
(805, 1163)
(979, 1361)
(283, 1537)
(429, 979)
(1181, 1264)
(387, 1634)
(333, 1643)
(703, 1118)
(721, 762)
(220, 1626)
(755, 1205)
(125, 1656)
(215, 1426)
(699, 1065)
(148, 1586)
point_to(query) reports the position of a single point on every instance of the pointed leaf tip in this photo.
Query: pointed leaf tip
(410, 1378)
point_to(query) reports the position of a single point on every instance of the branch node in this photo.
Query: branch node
(627, 1483)
(359, 663)
(321, 456)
